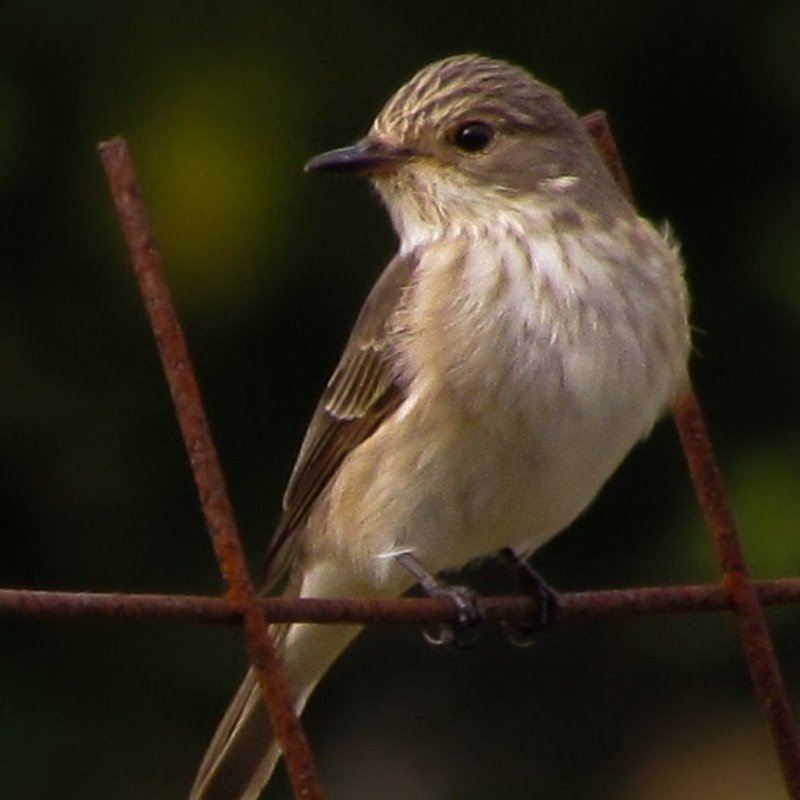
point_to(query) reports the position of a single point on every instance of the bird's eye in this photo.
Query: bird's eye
(472, 137)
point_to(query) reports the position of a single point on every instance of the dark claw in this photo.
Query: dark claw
(529, 582)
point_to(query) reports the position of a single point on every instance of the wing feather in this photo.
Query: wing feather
(364, 390)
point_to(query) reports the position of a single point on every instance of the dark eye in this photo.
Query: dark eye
(473, 137)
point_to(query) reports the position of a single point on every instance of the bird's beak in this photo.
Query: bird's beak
(367, 156)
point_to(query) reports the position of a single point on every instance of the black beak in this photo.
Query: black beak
(366, 156)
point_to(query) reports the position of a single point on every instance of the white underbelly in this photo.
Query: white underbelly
(451, 488)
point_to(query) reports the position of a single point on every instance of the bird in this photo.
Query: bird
(530, 330)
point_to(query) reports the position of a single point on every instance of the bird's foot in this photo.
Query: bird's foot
(463, 632)
(523, 632)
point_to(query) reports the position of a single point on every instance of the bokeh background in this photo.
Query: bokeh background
(222, 103)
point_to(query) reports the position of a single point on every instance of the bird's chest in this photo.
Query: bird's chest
(529, 393)
(495, 335)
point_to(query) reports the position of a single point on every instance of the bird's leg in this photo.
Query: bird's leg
(529, 582)
(462, 632)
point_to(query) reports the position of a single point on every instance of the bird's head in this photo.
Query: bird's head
(468, 129)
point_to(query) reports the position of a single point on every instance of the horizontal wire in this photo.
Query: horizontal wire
(655, 600)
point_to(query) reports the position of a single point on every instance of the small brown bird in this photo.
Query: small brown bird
(530, 330)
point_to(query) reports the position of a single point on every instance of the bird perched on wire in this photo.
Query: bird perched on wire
(530, 330)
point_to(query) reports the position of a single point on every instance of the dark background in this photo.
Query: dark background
(222, 103)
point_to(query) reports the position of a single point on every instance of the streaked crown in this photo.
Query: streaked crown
(469, 84)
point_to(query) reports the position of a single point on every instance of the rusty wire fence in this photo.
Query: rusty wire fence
(241, 604)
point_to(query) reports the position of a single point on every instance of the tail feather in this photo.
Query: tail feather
(243, 753)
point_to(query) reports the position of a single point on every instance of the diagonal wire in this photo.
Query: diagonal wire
(217, 510)
(759, 652)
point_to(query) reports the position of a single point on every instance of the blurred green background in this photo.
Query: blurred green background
(222, 103)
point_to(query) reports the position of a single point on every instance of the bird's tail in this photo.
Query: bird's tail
(243, 752)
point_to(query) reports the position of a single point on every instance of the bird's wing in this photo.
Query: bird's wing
(363, 391)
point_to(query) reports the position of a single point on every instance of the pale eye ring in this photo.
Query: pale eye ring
(473, 136)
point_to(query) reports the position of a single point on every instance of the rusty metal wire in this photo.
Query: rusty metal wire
(742, 591)
(643, 601)
(240, 593)
(241, 604)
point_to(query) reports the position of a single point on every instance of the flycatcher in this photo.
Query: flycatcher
(530, 330)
